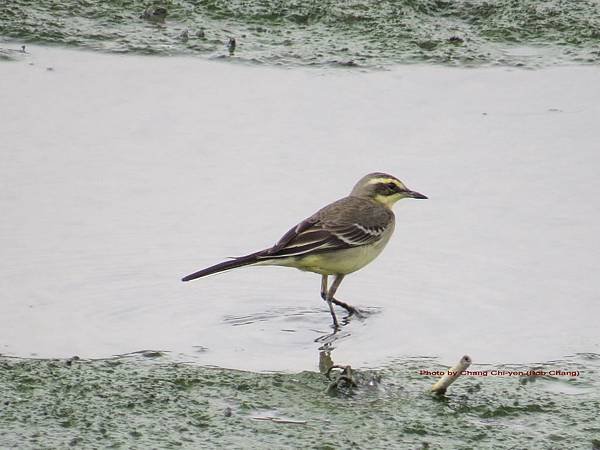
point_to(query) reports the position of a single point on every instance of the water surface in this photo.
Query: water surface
(115, 186)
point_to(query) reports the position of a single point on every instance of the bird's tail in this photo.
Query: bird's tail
(226, 265)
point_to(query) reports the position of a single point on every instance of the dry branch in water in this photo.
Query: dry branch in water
(451, 375)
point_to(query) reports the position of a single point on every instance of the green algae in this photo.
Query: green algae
(364, 33)
(137, 402)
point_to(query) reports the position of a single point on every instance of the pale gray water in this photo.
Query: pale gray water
(122, 174)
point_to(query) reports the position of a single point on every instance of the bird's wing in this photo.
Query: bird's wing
(347, 223)
(321, 233)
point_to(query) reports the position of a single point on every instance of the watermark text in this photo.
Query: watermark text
(502, 373)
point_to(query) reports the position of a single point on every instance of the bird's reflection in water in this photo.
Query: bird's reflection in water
(325, 361)
(341, 378)
(339, 333)
(327, 340)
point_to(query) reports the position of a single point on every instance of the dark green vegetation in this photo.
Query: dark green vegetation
(152, 402)
(335, 32)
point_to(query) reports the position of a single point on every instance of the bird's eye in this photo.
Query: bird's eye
(392, 186)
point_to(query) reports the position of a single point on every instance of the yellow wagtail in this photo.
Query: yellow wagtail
(339, 239)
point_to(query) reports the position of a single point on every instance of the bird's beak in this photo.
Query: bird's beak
(414, 194)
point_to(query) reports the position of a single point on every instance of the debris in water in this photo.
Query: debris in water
(70, 361)
(231, 46)
(455, 40)
(278, 420)
(451, 375)
(154, 13)
(344, 380)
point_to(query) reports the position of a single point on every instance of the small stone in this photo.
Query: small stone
(69, 361)
(455, 40)
(155, 14)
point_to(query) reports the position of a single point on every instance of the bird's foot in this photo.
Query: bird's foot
(352, 311)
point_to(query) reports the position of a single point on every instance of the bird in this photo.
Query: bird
(337, 240)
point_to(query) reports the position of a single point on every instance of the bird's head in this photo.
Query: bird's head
(383, 188)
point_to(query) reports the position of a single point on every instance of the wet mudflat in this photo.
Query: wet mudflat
(148, 401)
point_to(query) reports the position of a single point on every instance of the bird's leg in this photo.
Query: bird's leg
(336, 283)
(331, 292)
(324, 287)
(325, 296)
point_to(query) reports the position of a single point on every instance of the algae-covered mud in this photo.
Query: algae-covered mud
(358, 33)
(148, 401)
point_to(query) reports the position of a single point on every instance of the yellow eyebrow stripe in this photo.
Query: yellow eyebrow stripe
(385, 180)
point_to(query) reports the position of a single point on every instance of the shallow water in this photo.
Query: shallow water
(121, 174)
(331, 33)
(116, 185)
